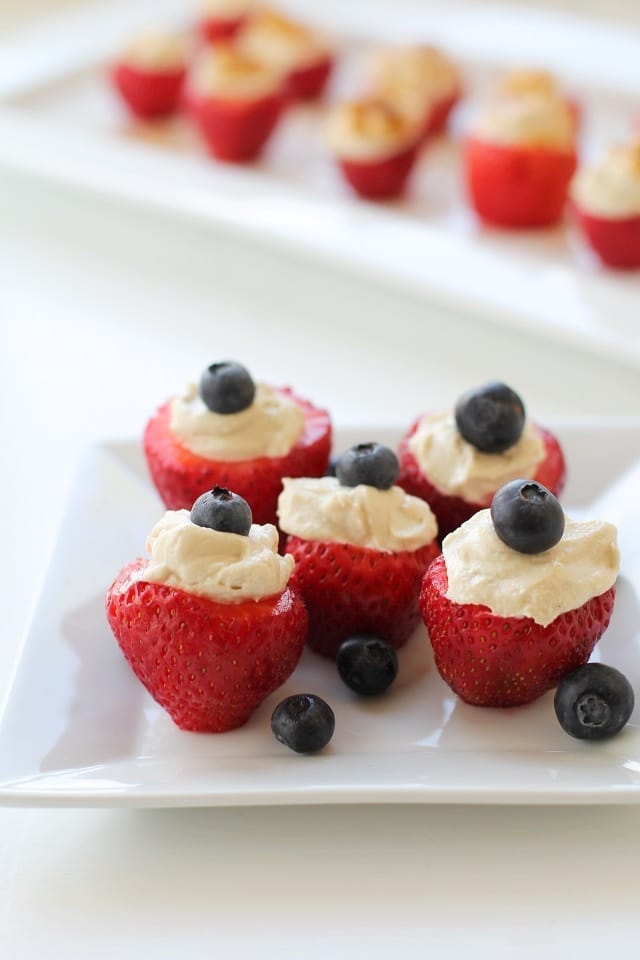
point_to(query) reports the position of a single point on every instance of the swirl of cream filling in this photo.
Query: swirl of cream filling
(156, 51)
(481, 569)
(224, 9)
(322, 509)
(413, 77)
(530, 120)
(223, 72)
(369, 130)
(458, 469)
(225, 567)
(611, 188)
(270, 427)
(282, 43)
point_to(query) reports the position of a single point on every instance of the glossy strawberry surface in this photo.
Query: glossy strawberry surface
(149, 95)
(349, 589)
(615, 241)
(518, 187)
(495, 661)
(236, 131)
(208, 664)
(380, 179)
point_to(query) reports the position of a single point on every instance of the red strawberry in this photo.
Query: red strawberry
(236, 130)
(307, 83)
(208, 664)
(452, 511)
(518, 186)
(380, 179)
(181, 476)
(616, 241)
(149, 95)
(349, 589)
(495, 661)
(438, 115)
(214, 28)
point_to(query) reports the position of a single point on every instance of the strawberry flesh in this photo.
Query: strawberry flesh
(349, 589)
(208, 664)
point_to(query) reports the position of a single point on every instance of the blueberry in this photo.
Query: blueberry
(227, 387)
(222, 510)
(593, 702)
(368, 463)
(367, 664)
(331, 467)
(303, 722)
(527, 517)
(491, 418)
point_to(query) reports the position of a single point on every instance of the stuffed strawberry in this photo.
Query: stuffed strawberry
(235, 102)
(361, 547)
(375, 146)
(231, 432)
(606, 204)
(300, 53)
(519, 160)
(519, 597)
(457, 460)
(421, 81)
(150, 74)
(209, 623)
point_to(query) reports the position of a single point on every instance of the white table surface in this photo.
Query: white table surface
(103, 313)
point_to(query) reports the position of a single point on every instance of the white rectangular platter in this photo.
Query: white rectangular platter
(60, 121)
(78, 728)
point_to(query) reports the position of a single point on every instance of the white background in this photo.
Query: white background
(103, 314)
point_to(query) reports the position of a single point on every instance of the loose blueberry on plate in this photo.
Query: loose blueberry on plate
(527, 517)
(491, 418)
(369, 463)
(594, 702)
(222, 510)
(303, 722)
(367, 664)
(227, 387)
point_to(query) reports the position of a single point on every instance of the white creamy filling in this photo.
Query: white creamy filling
(369, 131)
(414, 77)
(221, 72)
(611, 189)
(458, 469)
(224, 9)
(481, 569)
(156, 51)
(225, 567)
(532, 120)
(270, 427)
(282, 44)
(322, 509)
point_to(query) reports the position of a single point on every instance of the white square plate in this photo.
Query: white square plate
(78, 728)
(60, 120)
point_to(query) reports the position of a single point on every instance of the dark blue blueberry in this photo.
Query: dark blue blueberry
(331, 467)
(227, 387)
(527, 517)
(222, 510)
(367, 664)
(368, 463)
(491, 418)
(594, 702)
(303, 722)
